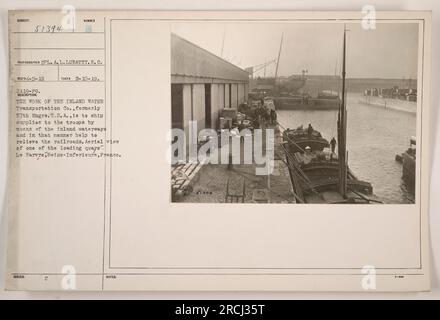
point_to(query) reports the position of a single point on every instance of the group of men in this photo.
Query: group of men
(308, 150)
(266, 111)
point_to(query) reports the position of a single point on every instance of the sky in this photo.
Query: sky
(389, 51)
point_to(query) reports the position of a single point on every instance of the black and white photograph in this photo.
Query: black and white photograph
(226, 152)
(292, 112)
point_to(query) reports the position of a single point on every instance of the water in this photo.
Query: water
(374, 136)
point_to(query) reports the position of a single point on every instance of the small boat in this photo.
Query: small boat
(315, 171)
(304, 137)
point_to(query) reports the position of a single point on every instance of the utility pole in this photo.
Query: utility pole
(223, 43)
(278, 60)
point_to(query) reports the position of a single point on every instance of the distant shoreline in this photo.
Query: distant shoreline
(391, 104)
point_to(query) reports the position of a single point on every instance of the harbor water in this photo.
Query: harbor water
(374, 136)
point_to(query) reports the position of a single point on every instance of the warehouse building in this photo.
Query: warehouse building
(202, 84)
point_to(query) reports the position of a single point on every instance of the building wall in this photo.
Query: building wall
(216, 103)
(194, 103)
(227, 96)
(199, 105)
(221, 97)
(187, 112)
(241, 93)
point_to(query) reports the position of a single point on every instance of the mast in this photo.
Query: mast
(223, 43)
(342, 129)
(278, 60)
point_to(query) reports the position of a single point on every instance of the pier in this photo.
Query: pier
(220, 183)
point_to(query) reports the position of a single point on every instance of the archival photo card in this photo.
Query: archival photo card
(242, 151)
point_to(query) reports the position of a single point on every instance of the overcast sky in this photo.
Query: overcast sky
(389, 51)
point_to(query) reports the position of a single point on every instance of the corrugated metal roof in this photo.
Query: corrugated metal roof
(190, 60)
